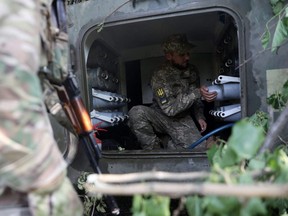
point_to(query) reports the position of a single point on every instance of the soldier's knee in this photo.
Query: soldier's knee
(137, 111)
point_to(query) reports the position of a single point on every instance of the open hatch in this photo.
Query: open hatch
(122, 56)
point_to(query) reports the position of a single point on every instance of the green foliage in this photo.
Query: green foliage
(90, 204)
(151, 206)
(219, 205)
(236, 162)
(277, 6)
(260, 119)
(223, 206)
(265, 39)
(243, 144)
(279, 99)
(253, 206)
(245, 140)
(280, 34)
(194, 206)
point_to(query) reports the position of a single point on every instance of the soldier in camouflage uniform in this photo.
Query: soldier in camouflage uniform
(176, 97)
(30, 161)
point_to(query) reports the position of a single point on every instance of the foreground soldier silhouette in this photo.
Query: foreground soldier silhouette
(30, 161)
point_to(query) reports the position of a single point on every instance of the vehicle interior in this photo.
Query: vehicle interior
(122, 56)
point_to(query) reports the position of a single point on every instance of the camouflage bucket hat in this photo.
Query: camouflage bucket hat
(177, 43)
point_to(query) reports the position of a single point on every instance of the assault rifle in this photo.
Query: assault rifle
(73, 105)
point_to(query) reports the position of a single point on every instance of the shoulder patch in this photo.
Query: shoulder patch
(161, 95)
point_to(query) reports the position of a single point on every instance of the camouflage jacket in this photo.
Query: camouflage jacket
(176, 92)
(30, 160)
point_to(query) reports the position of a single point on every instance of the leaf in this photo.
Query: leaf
(151, 206)
(217, 158)
(245, 178)
(193, 206)
(229, 157)
(285, 92)
(285, 85)
(265, 39)
(137, 203)
(157, 206)
(280, 35)
(257, 163)
(277, 100)
(139, 214)
(280, 162)
(82, 180)
(273, 2)
(280, 204)
(211, 153)
(100, 208)
(246, 139)
(277, 8)
(255, 206)
(260, 118)
(221, 205)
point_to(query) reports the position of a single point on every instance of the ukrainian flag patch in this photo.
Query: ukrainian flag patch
(161, 95)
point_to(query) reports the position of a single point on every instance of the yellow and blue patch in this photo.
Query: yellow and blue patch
(161, 95)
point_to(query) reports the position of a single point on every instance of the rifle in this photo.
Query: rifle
(72, 103)
(70, 97)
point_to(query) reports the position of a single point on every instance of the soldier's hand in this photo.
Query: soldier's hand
(203, 125)
(208, 96)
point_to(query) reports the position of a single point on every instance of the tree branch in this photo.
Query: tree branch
(146, 176)
(176, 190)
(274, 131)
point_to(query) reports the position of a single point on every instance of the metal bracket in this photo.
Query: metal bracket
(98, 115)
(110, 117)
(225, 79)
(225, 114)
(103, 96)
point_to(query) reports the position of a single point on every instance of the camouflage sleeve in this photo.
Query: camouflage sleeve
(172, 104)
(198, 106)
(198, 110)
(29, 157)
(26, 136)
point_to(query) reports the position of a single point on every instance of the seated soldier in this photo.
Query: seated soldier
(176, 95)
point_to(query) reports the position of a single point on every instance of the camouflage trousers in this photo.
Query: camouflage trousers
(30, 161)
(147, 124)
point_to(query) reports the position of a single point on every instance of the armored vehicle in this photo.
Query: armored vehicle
(117, 46)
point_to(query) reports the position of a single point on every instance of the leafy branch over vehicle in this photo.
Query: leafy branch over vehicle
(279, 99)
(280, 34)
